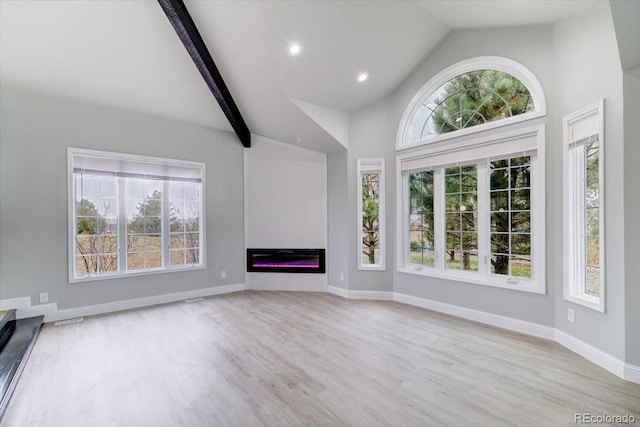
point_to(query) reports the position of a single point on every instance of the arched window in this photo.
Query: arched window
(471, 209)
(473, 95)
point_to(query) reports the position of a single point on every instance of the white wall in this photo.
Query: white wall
(35, 131)
(286, 207)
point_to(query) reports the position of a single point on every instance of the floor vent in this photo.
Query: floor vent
(66, 322)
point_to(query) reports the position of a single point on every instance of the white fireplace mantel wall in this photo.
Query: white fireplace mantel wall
(285, 207)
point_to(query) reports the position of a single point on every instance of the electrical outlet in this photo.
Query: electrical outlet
(44, 297)
(570, 315)
(342, 277)
(223, 274)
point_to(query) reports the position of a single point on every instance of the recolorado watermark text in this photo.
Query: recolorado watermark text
(586, 418)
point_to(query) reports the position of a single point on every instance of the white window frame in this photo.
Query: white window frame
(478, 63)
(584, 123)
(368, 165)
(122, 219)
(480, 150)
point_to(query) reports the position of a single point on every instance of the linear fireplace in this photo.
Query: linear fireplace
(286, 260)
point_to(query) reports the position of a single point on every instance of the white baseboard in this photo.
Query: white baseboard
(591, 353)
(341, 292)
(369, 295)
(632, 373)
(509, 323)
(52, 313)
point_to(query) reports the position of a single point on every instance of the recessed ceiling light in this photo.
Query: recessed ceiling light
(294, 49)
(362, 77)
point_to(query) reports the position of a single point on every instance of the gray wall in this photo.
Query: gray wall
(35, 133)
(338, 242)
(371, 134)
(586, 69)
(533, 48)
(632, 213)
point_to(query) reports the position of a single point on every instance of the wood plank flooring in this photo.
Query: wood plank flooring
(304, 359)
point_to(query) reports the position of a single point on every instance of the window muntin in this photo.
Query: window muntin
(461, 217)
(509, 230)
(371, 214)
(510, 216)
(473, 179)
(470, 96)
(584, 209)
(129, 212)
(144, 223)
(591, 215)
(467, 100)
(184, 215)
(96, 224)
(421, 218)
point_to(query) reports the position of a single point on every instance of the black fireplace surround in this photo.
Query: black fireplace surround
(286, 260)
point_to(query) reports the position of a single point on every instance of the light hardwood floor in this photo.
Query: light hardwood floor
(297, 359)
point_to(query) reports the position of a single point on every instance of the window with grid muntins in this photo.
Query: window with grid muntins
(584, 207)
(133, 214)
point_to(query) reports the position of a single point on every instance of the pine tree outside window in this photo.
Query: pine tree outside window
(472, 187)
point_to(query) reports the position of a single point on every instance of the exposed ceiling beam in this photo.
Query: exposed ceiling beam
(186, 29)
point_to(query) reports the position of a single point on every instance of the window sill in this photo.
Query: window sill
(523, 285)
(135, 274)
(373, 267)
(591, 302)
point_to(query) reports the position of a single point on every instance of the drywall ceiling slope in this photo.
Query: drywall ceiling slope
(335, 122)
(339, 39)
(500, 13)
(626, 20)
(117, 53)
(235, 34)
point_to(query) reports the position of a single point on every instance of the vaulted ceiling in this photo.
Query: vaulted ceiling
(126, 54)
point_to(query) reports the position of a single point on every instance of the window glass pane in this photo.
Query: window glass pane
(511, 218)
(107, 244)
(521, 266)
(177, 240)
(593, 251)
(421, 226)
(461, 218)
(106, 206)
(177, 256)
(184, 217)
(152, 242)
(370, 217)
(107, 187)
(462, 260)
(86, 187)
(468, 100)
(153, 260)
(86, 264)
(108, 262)
(135, 261)
(593, 281)
(135, 243)
(193, 256)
